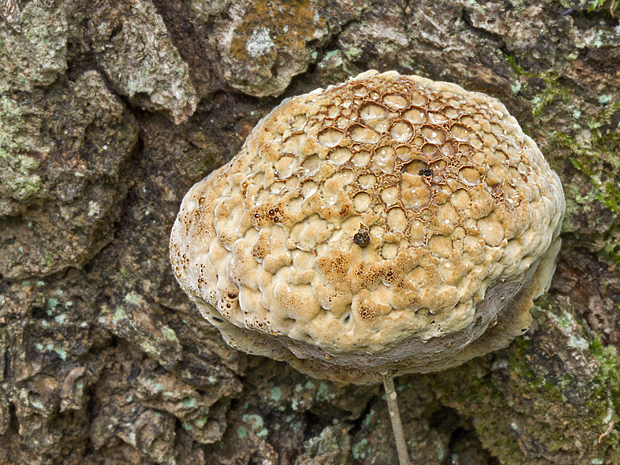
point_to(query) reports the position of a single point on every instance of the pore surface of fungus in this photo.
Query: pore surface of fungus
(387, 224)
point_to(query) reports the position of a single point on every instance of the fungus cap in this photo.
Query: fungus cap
(386, 224)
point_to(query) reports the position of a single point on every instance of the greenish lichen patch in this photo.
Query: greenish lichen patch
(256, 424)
(19, 178)
(51, 175)
(135, 320)
(359, 450)
(556, 374)
(585, 132)
(52, 304)
(323, 393)
(140, 59)
(276, 394)
(33, 46)
(566, 323)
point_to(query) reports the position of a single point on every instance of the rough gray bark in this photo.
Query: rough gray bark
(110, 110)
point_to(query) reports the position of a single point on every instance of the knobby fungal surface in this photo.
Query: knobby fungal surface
(386, 223)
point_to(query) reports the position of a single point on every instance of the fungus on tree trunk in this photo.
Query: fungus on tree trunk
(387, 225)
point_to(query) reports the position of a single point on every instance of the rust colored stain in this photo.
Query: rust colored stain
(290, 24)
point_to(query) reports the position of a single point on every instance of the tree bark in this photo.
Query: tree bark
(111, 110)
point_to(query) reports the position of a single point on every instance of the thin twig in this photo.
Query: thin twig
(399, 436)
(609, 428)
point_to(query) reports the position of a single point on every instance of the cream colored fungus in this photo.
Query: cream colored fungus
(386, 223)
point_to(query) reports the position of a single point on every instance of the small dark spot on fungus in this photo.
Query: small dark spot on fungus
(232, 296)
(362, 238)
(426, 172)
(217, 319)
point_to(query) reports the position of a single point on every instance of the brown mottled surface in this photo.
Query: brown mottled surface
(462, 214)
(102, 358)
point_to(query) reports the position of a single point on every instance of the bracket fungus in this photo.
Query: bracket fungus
(387, 225)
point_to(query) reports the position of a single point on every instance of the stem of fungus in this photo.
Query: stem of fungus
(399, 435)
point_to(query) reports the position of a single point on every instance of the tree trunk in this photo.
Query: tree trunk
(111, 110)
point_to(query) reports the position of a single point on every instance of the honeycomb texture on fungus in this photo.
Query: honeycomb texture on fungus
(383, 224)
